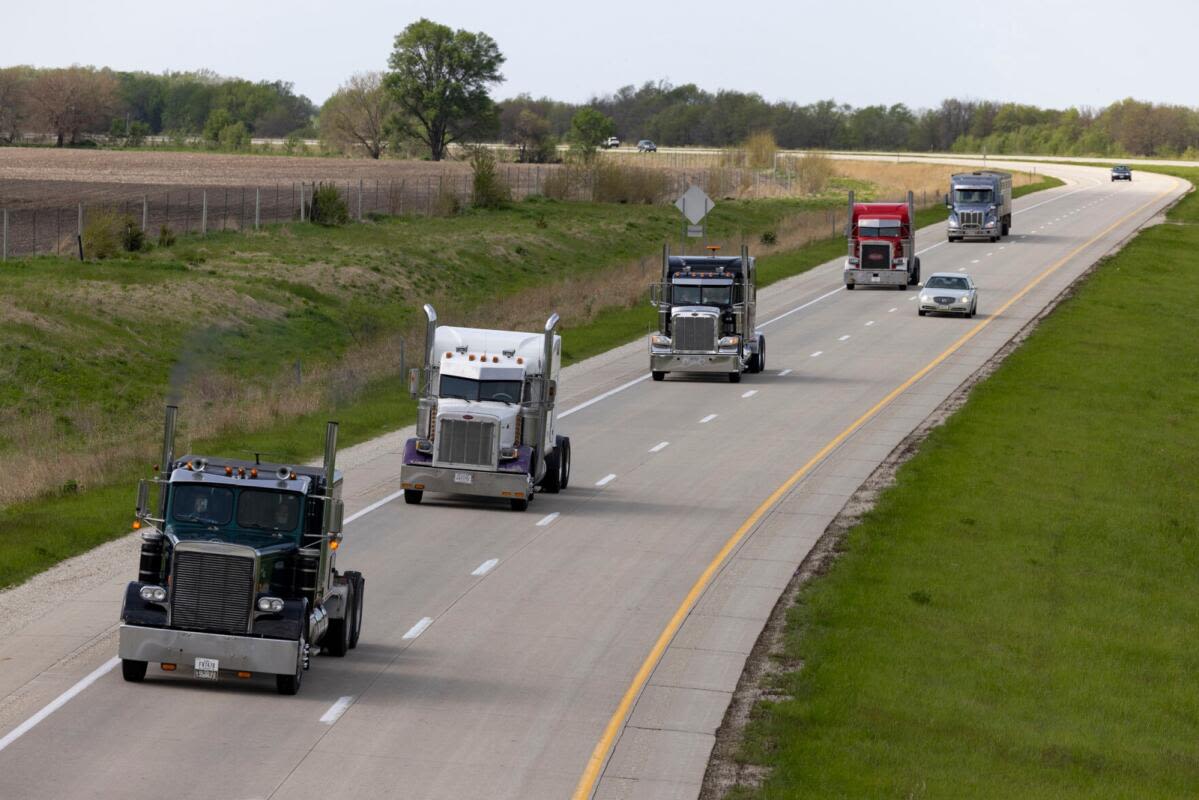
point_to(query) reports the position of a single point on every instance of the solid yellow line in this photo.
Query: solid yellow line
(599, 755)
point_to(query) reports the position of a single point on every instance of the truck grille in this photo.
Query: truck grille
(695, 333)
(876, 256)
(461, 441)
(970, 219)
(211, 591)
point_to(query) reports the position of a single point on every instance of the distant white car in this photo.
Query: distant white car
(611, 142)
(948, 293)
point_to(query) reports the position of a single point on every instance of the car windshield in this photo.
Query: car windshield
(203, 505)
(268, 511)
(961, 195)
(947, 282)
(702, 295)
(1120, 169)
(470, 389)
(879, 229)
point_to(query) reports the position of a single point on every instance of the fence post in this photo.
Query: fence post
(204, 212)
(257, 206)
(360, 199)
(80, 232)
(4, 249)
(301, 201)
(145, 212)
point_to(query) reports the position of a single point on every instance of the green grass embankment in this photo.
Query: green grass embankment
(1016, 617)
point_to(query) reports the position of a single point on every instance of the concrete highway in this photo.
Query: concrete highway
(589, 646)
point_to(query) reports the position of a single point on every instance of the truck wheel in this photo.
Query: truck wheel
(658, 375)
(734, 377)
(564, 447)
(413, 496)
(337, 636)
(903, 287)
(551, 482)
(359, 583)
(761, 354)
(849, 287)
(133, 671)
(916, 274)
(290, 684)
(521, 504)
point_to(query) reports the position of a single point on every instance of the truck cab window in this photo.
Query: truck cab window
(469, 389)
(702, 295)
(972, 195)
(205, 505)
(268, 511)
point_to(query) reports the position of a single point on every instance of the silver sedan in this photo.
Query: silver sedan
(948, 293)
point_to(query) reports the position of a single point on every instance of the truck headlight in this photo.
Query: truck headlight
(991, 224)
(153, 594)
(508, 453)
(659, 340)
(270, 605)
(852, 263)
(424, 446)
(730, 341)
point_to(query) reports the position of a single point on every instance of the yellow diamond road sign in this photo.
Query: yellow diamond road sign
(695, 204)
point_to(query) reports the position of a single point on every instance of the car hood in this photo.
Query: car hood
(956, 294)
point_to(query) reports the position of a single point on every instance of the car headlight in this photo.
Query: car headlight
(424, 446)
(270, 605)
(730, 341)
(508, 453)
(153, 594)
(925, 298)
(658, 340)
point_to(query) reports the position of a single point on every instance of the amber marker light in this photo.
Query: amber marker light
(168, 667)
(137, 524)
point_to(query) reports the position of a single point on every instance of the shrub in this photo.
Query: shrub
(760, 149)
(447, 203)
(102, 234)
(614, 183)
(133, 238)
(327, 206)
(489, 188)
(166, 236)
(291, 144)
(813, 172)
(561, 183)
(234, 136)
(769, 238)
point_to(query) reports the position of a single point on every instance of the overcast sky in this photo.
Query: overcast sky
(1046, 52)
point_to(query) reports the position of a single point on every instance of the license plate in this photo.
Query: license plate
(207, 669)
(693, 361)
(463, 477)
(875, 278)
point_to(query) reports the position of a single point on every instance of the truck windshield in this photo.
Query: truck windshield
(205, 505)
(971, 195)
(702, 295)
(268, 511)
(470, 389)
(884, 230)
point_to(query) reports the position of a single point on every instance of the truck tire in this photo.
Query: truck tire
(359, 583)
(903, 287)
(734, 377)
(564, 448)
(849, 287)
(761, 354)
(916, 273)
(337, 636)
(551, 482)
(658, 375)
(133, 671)
(290, 684)
(413, 496)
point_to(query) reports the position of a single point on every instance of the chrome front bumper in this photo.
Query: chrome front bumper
(245, 653)
(424, 477)
(876, 277)
(972, 232)
(695, 362)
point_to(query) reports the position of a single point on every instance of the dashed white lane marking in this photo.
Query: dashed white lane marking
(785, 372)
(990, 254)
(798, 308)
(1002, 246)
(750, 393)
(892, 310)
(843, 338)
(659, 447)
(58, 702)
(418, 628)
(605, 395)
(913, 297)
(708, 418)
(868, 324)
(975, 261)
(548, 519)
(961, 269)
(337, 709)
(487, 566)
(604, 481)
(817, 353)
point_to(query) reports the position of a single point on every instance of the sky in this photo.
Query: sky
(1051, 53)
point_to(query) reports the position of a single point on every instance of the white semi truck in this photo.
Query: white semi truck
(486, 422)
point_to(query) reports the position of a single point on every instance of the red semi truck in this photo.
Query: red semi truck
(882, 245)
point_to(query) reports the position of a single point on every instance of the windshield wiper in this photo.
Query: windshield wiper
(196, 519)
(456, 397)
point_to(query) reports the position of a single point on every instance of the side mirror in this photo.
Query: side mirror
(920, 286)
(336, 517)
(143, 499)
(414, 382)
(947, 203)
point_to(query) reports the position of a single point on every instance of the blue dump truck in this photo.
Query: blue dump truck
(980, 205)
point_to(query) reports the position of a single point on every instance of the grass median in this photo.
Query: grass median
(1015, 617)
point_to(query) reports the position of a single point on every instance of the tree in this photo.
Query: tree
(588, 130)
(217, 121)
(534, 141)
(357, 114)
(73, 100)
(14, 101)
(439, 79)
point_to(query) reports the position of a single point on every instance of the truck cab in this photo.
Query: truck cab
(706, 317)
(980, 205)
(882, 245)
(486, 422)
(238, 572)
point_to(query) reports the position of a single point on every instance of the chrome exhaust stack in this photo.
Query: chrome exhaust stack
(330, 458)
(168, 455)
(430, 333)
(551, 325)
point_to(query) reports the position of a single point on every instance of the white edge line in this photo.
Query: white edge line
(843, 338)
(604, 481)
(708, 418)
(750, 393)
(418, 628)
(659, 447)
(785, 372)
(548, 519)
(337, 709)
(818, 352)
(58, 702)
(485, 567)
